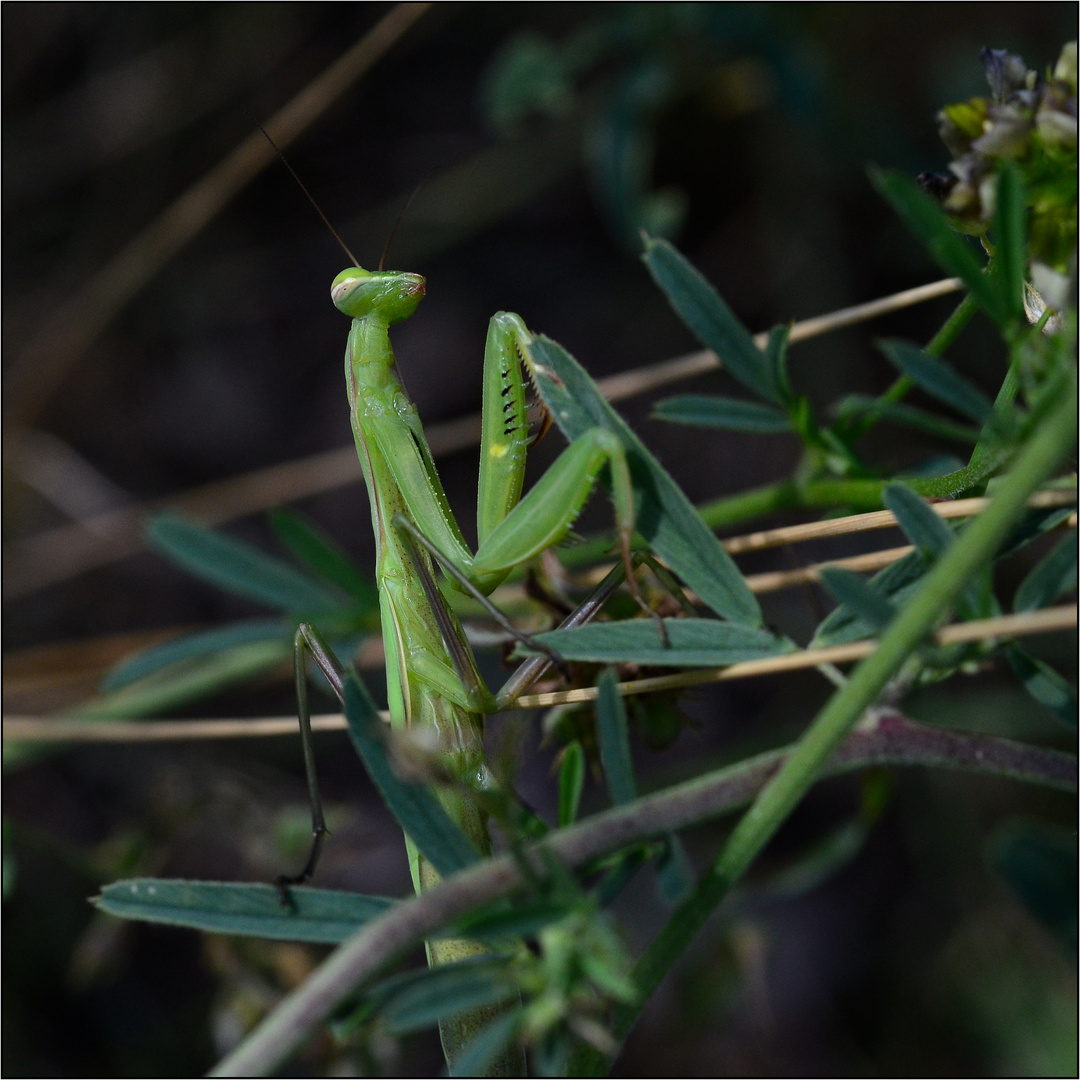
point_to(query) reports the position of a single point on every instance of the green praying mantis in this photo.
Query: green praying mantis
(432, 678)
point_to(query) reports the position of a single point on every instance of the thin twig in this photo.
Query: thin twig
(876, 519)
(38, 729)
(55, 555)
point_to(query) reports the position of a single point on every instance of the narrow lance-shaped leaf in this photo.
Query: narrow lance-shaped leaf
(446, 991)
(671, 526)
(732, 414)
(939, 380)
(1010, 236)
(417, 811)
(614, 740)
(1045, 685)
(571, 783)
(319, 916)
(858, 405)
(712, 322)
(953, 253)
(195, 647)
(925, 529)
(482, 1052)
(1054, 576)
(897, 583)
(856, 594)
(240, 568)
(322, 555)
(691, 643)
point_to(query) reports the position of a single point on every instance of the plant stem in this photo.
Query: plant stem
(942, 585)
(894, 740)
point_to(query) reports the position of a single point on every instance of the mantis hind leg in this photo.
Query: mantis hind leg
(309, 642)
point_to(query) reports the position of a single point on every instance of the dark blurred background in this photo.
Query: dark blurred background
(744, 131)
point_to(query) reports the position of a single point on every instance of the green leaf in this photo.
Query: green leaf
(1054, 576)
(859, 405)
(321, 554)
(952, 252)
(1045, 685)
(711, 321)
(417, 811)
(939, 380)
(1039, 861)
(1010, 236)
(505, 922)
(322, 916)
(674, 871)
(896, 583)
(479, 1055)
(185, 681)
(571, 783)
(776, 358)
(446, 991)
(666, 519)
(925, 529)
(858, 596)
(732, 414)
(196, 647)
(1030, 527)
(692, 643)
(240, 568)
(614, 740)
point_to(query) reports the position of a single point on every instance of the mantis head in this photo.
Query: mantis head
(390, 294)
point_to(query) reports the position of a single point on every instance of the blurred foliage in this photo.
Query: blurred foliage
(700, 117)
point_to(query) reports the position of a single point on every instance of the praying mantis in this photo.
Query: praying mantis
(432, 677)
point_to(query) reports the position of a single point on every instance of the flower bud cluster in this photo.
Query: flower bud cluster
(1029, 118)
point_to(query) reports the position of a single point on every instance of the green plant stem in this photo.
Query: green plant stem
(942, 585)
(892, 740)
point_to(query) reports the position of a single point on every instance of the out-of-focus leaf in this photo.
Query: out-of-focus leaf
(1045, 685)
(711, 321)
(571, 783)
(240, 568)
(927, 532)
(321, 554)
(776, 358)
(1039, 861)
(858, 405)
(1010, 236)
(939, 380)
(952, 252)
(315, 915)
(691, 643)
(185, 681)
(856, 595)
(493, 1040)
(1054, 576)
(674, 872)
(732, 414)
(670, 525)
(195, 647)
(896, 583)
(506, 922)
(417, 811)
(614, 740)
(1031, 526)
(446, 991)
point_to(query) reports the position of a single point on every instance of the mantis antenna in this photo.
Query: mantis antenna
(311, 199)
